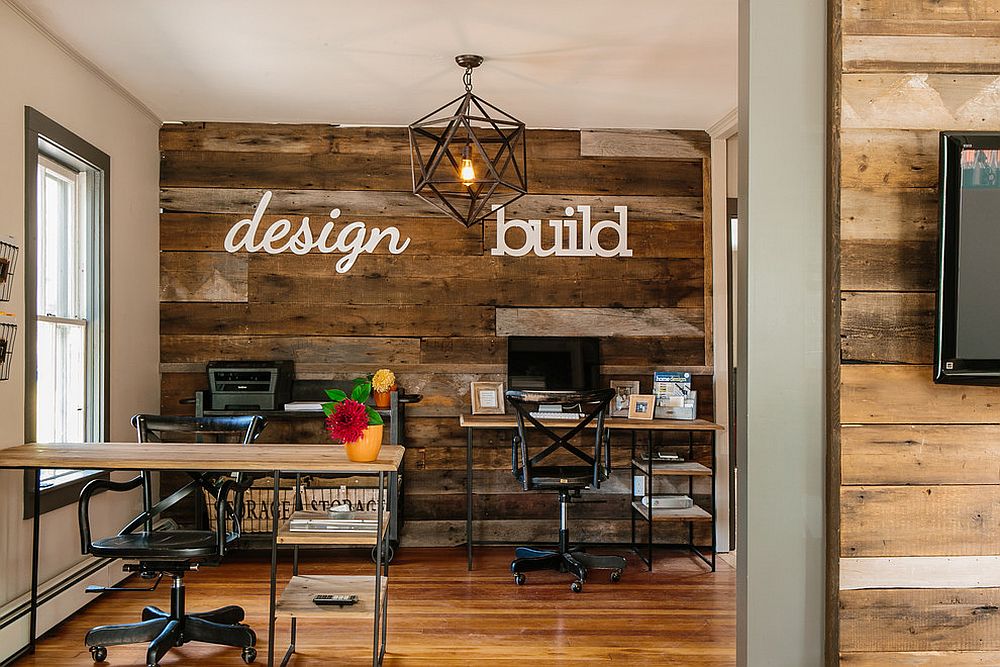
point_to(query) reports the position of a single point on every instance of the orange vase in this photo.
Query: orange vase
(366, 448)
(382, 397)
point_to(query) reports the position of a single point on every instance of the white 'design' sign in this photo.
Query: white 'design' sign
(355, 237)
(580, 240)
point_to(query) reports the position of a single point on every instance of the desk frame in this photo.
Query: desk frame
(210, 457)
(471, 423)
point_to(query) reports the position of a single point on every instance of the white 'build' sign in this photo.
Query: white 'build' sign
(579, 241)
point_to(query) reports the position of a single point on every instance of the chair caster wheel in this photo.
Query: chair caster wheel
(576, 586)
(98, 653)
(519, 579)
(249, 654)
(615, 575)
(387, 554)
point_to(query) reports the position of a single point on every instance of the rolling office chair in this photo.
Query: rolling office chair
(174, 552)
(561, 466)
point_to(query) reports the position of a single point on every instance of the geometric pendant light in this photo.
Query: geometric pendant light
(468, 155)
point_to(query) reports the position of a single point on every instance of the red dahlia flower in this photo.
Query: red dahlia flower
(348, 421)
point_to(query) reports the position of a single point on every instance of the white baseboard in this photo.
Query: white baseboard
(59, 598)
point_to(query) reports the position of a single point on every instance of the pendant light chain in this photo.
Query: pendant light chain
(467, 79)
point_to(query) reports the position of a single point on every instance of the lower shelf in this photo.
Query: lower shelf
(296, 599)
(694, 513)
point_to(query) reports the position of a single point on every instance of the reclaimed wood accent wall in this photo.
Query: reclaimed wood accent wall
(919, 542)
(438, 314)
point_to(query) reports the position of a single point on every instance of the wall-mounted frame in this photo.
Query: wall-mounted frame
(7, 333)
(487, 398)
(8, 264)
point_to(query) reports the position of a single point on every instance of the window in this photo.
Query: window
(66, 203)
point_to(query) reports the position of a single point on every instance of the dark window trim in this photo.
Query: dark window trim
(38, 125)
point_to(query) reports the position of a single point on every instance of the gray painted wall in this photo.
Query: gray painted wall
(783, 49)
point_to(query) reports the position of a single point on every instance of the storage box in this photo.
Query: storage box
(688, 411)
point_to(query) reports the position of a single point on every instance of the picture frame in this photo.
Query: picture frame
(641, 406)
(623, 390)
(487, 398)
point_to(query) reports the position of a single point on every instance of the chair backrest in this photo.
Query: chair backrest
(592, 405)
(235, 429)
(243, 429)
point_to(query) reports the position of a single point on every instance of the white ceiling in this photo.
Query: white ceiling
(551, 63)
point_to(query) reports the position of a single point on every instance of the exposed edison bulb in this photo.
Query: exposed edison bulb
(467, 172)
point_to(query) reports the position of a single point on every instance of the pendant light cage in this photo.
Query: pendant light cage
(468, 129)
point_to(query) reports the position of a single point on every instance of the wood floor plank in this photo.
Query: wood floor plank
(442, 615)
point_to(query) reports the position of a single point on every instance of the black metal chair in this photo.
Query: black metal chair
(173, 553)
(563, 467)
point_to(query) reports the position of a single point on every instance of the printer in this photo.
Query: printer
(249, 385)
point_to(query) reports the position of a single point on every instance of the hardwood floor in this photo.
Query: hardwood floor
(442, 615)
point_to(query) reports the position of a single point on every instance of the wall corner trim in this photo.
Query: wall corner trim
(726, 126)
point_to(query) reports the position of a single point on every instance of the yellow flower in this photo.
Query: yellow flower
(383, 380)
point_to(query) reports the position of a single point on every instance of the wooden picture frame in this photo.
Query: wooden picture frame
(641, 406)
(487, 398)
(623, 390)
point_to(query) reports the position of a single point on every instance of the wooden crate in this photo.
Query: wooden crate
(318, 495)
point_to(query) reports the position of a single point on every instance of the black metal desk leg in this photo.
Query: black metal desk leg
(379, 555)
(35, 526)
(468, 498)
(274, 567)
(715, 510)
(649, 498)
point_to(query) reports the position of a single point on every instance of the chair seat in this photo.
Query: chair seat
(158, 545)
(560, 476)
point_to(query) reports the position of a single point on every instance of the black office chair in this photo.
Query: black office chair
(174, 552)
(563, 467)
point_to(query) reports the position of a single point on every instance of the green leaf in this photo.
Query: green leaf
(336, 395)
(328, 408)
(361, 392)
(374, 418)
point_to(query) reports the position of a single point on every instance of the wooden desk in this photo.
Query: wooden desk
(269, 458)
(509, 422)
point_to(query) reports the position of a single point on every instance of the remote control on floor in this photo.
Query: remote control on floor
(336, 600)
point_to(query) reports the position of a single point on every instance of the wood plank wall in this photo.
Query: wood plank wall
(438, 314)
(919, 539)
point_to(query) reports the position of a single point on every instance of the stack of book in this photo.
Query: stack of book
(334, 522)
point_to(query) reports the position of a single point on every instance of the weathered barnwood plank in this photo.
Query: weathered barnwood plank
(887, 327)
(920, 572)
(921, 659)
(322, 138)
(203, 276)
(894, 394)
(631, 322)
(343, 320)
(920, 454)
(243, 202)
(949, 619)
(921, 101)
(392, 171)
(904, 15)
(412, 264)
(904, 266)
(301, 349)
(286, 288)
(911, 53)
(678, 144)
(919, 520)
(888, 158)
(889, 214)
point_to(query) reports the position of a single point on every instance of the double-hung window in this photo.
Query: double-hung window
(66, 261)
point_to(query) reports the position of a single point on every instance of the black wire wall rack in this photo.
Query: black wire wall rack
(7, 333)
(8, 263)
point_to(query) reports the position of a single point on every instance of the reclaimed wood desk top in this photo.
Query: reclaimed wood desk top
(196, 456)
(612, 423)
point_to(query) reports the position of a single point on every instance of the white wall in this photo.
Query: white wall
(35, 72)
(781, 394)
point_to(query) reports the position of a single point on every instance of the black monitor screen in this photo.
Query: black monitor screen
(553, 363)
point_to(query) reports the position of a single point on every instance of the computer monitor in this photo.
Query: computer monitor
(553, 363)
